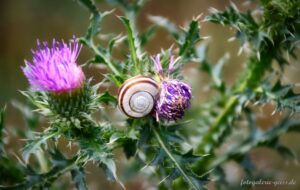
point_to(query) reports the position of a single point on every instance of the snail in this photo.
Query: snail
(137, 96)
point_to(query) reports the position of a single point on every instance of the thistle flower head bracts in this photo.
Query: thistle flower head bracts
(53, 68)
(174, 96)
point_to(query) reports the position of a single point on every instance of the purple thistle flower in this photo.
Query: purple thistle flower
(157, 64)
(173, 100)
(54, 68)
(174, 96)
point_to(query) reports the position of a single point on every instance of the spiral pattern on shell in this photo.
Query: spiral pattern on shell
(137, 96)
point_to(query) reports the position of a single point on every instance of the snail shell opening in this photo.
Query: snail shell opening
(137, 96)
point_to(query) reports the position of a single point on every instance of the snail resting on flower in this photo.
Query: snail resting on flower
(168, 97)
(137, 96)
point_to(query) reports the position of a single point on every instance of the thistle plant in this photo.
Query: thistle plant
(169, 140)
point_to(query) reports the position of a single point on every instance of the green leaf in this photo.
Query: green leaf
(129, 147)
(110, 169)
(283, 96)
(107, 98)
(95, 20)
(78, 177)
(35, 144)
(10, 171)
(113, 41)
(189, 157)
(191, 38)
(177, 164)
(117, 80)
(247, 28)
(93, 30)
(265, 139)
(134, 43)
(41, 180)
(95, 147)
(158, 158)
(90, 5)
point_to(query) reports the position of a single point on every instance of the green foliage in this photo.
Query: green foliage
(133, 43)
(282, 95)
(190, 37)
(162, 144)
(186, 38)
(164, 149)
(10, 172)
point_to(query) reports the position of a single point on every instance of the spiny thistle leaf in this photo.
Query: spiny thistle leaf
(95, 20)
(178, 161)
(93, 149)
(117, 80)
(158, 158)
(93, 30)
(268, 139)
(36, 143)
(106, 98)
(78, 176)
(190, 39)
(114, 42)
(110, 169)
(134, 43)
(247, 28)
(90, 5)
(283, 96)
(35, 179)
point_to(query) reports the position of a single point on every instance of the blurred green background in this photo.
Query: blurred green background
(22, 22)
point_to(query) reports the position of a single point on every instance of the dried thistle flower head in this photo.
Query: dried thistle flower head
(54, 69)
(174, 96)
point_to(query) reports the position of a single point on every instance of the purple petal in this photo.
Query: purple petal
(54, 68)
(173, 100)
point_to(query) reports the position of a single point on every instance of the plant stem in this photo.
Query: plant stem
(173, 159)
(253, 76)
(228, 108)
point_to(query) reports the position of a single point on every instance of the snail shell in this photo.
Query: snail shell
(137, 96)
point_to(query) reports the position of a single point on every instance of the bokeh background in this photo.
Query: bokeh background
(22, 22)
